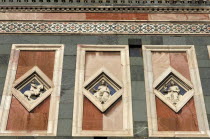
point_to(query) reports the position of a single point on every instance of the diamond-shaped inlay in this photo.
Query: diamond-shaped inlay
(173, 89)
(32, 88)
(102, 89)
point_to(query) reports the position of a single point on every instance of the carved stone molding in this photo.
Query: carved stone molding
(145, 6)
(107, 9)
(32, 88)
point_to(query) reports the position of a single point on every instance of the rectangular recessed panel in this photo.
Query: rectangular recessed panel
(93, 119)
(168, 120)
(37, 119)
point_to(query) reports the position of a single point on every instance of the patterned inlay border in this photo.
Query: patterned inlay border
(105, 27)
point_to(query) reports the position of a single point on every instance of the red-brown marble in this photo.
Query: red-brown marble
(179, 62)
(92, 117)
(184, 120)
(43, 59)
(166, 117)
(116, 16)
(19, 118)
(187, 118)
(168, 120)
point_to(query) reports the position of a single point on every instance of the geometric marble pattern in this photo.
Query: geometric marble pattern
(104, 27)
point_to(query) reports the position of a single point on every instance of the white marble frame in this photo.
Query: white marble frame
(126, 96)
(186, 97)
(55, 95)
(113, 98)
(23, 100)
(198, 93)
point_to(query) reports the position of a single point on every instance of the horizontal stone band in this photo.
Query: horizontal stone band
(105, 27)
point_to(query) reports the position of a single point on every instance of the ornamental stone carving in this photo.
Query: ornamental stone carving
(172, 92)
(32, 88)
(102, 93)
(102, 89)
(173, 89)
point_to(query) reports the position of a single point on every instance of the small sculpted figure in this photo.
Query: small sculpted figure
(34, 90)
(172, 92)
(102, 93)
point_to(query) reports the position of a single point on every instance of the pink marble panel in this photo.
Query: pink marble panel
(109, 60)
(179, 62)
(60, 16)
(113, 117)
(17, 16)
(42, 16)
(160, 62)
(178, 17)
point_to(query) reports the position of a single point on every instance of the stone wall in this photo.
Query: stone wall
(137, 71)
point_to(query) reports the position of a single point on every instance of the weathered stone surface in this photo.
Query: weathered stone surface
(45, 137)
(138, 90)
(198, 40)
(65, 111)
(110, 39)
(4, 59)
(204, 73)
(207, 103)
(64, 127)
(202, 52)
(140, 129)
(134, 41)
(135, 51)
(146, 40)
(27, 137)
(69, 62)
(4, 137)
(204, 63)
(206, 86)
(2, 80)
(3, 71)
(156, 40)
(5, 48)
(137, 73)
(136, 61)
(139, 110)
(174, 40)
(68, 77)
(67, 96)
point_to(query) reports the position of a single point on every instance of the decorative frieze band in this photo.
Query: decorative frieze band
(105, 27)
(107, 9)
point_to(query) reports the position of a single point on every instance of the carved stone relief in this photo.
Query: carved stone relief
(102, 89)
(32, 88)
(173, 89)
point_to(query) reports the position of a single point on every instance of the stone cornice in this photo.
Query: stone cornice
(105, 9)
(119, 6)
